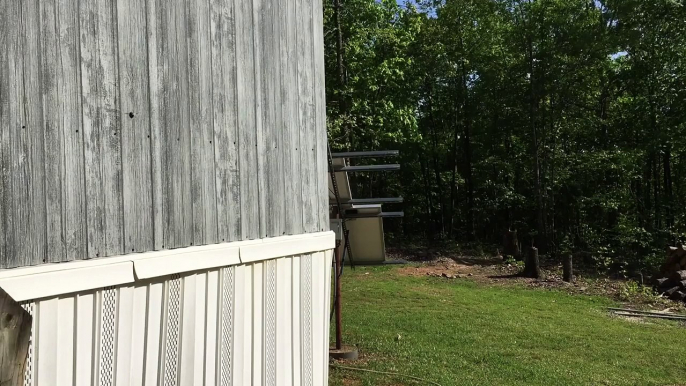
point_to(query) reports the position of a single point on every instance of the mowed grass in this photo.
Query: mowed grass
(458, 332)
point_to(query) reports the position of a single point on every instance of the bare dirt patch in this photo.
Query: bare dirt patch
(493, 271)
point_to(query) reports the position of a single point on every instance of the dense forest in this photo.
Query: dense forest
(562, 119)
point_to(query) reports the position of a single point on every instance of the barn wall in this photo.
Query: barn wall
(129, 126)
(264, 322)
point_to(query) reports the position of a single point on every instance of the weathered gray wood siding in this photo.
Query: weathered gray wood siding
(135, 125)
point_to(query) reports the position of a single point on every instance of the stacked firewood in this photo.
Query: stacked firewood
(671, 282)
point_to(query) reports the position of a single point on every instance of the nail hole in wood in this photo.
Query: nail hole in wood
(131, 115)
(23, 127)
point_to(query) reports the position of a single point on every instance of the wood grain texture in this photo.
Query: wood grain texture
(132, 126)
(69, 86)
(101, 122)
(15, 332)
(175, 141)
(5, 260)
(260, 21)
(11, 136)
(322, 192)
(135, 126)
(291, 130)
(203, 181)
(33, 242)
(53, 134)
(23, 168)
(273, 127)
(306, 111)
(246, 103)
(156, 73)
(178, 155)
(223, 41)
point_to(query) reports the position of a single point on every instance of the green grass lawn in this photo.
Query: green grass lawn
(458, 332)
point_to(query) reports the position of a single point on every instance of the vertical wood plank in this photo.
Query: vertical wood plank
(284, 316)
(22, 140)
(69, 86)
(174, 113)
(85, 335)
(13, 163)
(261, 172)
(306, 116)
(135, 125)
(33, 242)
(203, 189)
(223, 42)
(153, 337)
(322, 192)
(4, 130)
(247, 119)
(102, 145)
(270, 131)
(277, 198)
(156, 29)
(289, 92)
(54, 137)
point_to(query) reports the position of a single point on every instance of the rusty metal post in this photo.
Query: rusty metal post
(337, 296)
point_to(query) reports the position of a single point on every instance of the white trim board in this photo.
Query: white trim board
(48, 280)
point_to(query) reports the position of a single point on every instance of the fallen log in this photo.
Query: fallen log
(678, 276)
(678, 296)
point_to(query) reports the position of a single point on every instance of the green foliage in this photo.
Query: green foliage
(632, 290)
(562, 119)
(512, 261)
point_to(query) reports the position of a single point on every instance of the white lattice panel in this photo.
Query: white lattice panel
(262, 323)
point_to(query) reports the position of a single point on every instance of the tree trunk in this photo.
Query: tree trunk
(511, 244)
(437, 171)
(532, 267)
(567, 273)
(533, 107)
(669, 214)
(427, 195)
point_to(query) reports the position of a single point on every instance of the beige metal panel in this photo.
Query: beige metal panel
(190, 329)
(367, 237)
